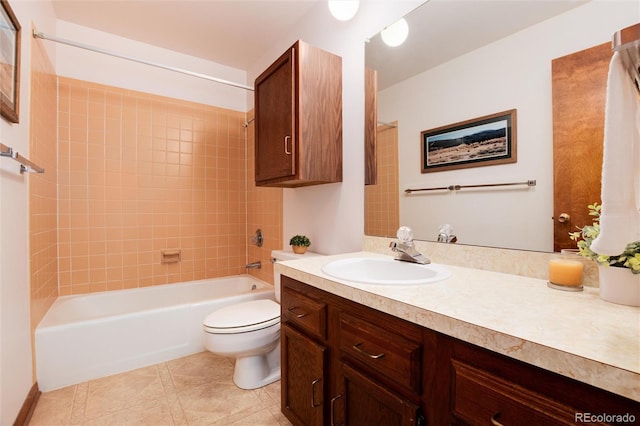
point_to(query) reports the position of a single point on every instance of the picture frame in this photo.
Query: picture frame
(9, 63)
(482, 141)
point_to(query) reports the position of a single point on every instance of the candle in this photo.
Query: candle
(565, 272)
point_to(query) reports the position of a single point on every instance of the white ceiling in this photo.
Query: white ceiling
(229, 32)
(235, 32)
(442, 30)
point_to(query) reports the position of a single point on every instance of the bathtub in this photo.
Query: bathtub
(89, 336)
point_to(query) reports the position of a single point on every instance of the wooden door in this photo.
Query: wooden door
(579, 85)
(303, 378)
(275, 138)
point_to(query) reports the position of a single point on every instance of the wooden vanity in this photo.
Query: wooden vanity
(345, 363)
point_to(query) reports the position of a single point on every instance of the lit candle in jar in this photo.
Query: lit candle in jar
(565, 272)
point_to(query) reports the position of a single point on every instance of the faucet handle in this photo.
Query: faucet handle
(405, 234)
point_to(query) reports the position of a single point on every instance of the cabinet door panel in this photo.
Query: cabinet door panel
(303, 378)
(275, 127)
(480, 397)
(382, 351)
(367, 403)
(306, 313)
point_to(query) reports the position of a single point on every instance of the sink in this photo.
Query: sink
(380, 271)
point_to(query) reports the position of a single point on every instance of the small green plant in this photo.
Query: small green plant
(299, 240)
(630, 258)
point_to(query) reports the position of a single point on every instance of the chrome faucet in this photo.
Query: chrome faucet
(254, 265)
(405, 249)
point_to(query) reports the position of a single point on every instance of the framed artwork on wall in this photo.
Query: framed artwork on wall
(9, 63)
(482, 141)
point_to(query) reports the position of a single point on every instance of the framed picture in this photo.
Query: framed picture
(483, 141)
(9, 63)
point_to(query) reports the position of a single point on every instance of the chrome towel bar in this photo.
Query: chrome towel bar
(458, 187)
(26, 165)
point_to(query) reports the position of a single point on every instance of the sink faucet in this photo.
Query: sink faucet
(405, 249)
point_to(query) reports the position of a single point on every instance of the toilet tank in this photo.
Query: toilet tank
(280, 255)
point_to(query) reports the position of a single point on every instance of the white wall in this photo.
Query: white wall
(86, 65)
(514, 72)
(15, 332)
(332, 215)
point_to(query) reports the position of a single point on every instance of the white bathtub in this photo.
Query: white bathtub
(95, 335)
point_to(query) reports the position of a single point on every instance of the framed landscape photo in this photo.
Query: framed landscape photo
(9, 63)
(483, 141)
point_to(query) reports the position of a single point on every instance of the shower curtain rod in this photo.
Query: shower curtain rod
(37, 34)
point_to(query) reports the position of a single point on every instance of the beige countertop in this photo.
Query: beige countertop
(575, 334)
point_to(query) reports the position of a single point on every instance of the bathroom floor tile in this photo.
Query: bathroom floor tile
(189, 391)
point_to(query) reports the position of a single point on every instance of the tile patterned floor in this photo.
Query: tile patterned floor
(194, 390)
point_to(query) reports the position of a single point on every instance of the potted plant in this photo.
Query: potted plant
(619, 275)
(299, 243)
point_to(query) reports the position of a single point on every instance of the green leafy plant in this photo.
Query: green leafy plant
(299, 240)
(630, 258)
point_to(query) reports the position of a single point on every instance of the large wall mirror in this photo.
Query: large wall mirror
(468, 59)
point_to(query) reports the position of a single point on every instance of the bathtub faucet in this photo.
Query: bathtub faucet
(254, 265)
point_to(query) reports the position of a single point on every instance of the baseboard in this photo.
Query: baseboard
(29, 405)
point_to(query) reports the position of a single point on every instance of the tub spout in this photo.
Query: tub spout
(254, 265)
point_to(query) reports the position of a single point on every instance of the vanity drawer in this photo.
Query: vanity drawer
(382, 351)
(480, 397)
(305, 312)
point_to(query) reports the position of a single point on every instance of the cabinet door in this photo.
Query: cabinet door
(303, 378)
(275, 126)
(365, 402)
(480, 397)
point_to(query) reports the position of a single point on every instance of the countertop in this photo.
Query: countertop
(575, 334)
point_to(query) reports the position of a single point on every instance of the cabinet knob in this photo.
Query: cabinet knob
(286, 145)
(365, 353)
(333, 401)
(494, 419)
(293, 308)
(564, 217)
(313, 393)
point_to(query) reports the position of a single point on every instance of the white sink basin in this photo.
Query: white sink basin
(385, 271)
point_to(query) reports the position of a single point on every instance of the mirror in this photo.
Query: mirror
(464, 60)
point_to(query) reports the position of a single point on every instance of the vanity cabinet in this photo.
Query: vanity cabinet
(298, 119)
(347, 364)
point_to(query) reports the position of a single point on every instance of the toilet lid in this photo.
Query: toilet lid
(243, 317)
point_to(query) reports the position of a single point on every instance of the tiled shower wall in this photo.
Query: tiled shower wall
(139, 174)
(43, 242)
(382, 217)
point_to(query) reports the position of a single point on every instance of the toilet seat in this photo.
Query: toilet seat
(243, 317)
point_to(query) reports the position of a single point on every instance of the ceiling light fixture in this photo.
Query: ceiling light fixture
(396, 33)
(343, 10)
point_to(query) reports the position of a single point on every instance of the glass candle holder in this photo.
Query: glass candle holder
(566, 271)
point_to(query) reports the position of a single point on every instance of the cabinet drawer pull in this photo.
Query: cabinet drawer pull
(362, 351)
(302, 315)
(286, 145)
(313, 393)
(332, 414)
(494, 419)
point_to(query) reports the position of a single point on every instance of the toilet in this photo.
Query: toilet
(250, 331)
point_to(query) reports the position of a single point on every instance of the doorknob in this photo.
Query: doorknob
(564, 217)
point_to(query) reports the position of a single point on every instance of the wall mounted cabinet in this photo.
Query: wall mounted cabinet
(298, 119)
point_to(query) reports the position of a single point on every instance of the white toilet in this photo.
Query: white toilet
(250, 331)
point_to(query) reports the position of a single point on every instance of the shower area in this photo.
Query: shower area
(130, 175)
